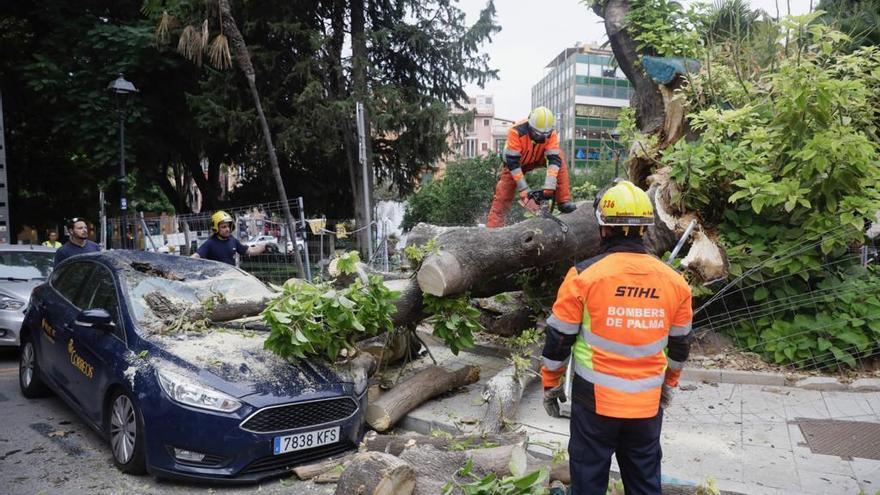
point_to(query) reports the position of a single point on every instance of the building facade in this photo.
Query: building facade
(484, 135)
(585, 91)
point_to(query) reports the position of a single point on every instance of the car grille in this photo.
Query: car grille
(291, 416)
(292, 459)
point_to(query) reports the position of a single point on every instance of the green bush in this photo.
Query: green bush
(463, 195)
(795, 160)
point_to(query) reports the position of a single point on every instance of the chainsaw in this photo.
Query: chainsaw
(536, 204)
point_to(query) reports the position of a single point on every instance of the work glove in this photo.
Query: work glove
(537, 196)
(552, 398)
(665, 396)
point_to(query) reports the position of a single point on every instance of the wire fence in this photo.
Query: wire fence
(316, 240)
(804, 315)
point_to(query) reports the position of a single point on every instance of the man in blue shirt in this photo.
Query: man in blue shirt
(78, 243)
(222, 246)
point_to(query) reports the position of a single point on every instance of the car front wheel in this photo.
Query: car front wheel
(126, 434)
(29, 380)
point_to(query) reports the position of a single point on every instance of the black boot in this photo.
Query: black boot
(567, 207)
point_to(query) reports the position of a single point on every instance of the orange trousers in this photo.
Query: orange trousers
(505, 191)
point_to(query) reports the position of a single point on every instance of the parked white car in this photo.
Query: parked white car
(262, 239)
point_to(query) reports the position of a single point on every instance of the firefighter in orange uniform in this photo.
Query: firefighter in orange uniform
(531, 143)
(625, 316)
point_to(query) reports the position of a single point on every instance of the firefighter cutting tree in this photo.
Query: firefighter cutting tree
(531, 143)
(626, 318)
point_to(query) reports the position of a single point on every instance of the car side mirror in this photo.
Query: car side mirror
(97, 318)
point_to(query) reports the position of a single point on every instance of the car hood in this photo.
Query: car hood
(21, 290)
(242, 367)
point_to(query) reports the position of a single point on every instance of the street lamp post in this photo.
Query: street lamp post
(121, 89)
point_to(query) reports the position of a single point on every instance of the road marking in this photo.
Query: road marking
(8, 371)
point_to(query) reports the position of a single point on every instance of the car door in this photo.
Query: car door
(59, 313)
(100, 354)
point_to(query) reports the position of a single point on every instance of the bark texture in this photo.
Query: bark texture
(426, 384)
(471, 255)
(396, 444)
(503, 392)
(436, 467)
(375, 473)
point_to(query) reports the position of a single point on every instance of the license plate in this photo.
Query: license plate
(307, 440)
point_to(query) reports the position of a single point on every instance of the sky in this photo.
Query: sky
(534, 32)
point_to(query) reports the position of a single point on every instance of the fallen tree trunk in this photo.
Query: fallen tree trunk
(436, 467)
(396, 444)
(430, 382)
(375, 473)
(503, 392)
(470, 255)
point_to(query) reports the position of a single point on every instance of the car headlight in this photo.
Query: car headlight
(9, 302)
(192, 393)
(361, 380)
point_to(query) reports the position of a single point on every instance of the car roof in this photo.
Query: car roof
(159, 264)
(26, 248)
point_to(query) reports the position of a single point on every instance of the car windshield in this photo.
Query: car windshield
(25, 265)
(155, 297)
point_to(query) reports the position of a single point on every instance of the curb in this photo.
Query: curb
(819, 383)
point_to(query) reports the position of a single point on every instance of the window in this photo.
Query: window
(470, 150)
(70, 280)
(484, 146)
(101, 293)
(486, 123)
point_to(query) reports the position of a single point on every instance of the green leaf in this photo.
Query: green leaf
(760, 294)
(844, 356)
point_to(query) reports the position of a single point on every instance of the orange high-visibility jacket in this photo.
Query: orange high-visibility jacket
(521, 150)
(626, 317)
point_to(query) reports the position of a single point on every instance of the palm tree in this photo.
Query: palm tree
(193, 42)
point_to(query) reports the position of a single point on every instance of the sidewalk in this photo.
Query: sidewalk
(741, 435)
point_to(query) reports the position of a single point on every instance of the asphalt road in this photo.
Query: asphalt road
(46, 449)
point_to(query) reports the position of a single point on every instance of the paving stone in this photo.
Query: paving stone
(772, 467)
(764, 404)
(806, 460)
(820, 383)
(827, 484)
(849, 406)
(752, 378)
(867, 473)
(805, 404)
(774, 435)
(865, 385)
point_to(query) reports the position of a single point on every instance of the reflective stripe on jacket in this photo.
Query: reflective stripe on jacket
(619, 313)
(520, 150)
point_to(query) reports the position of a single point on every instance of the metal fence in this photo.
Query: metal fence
(793, 315)
(316, 241)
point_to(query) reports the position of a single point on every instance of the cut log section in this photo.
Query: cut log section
(436, 467)
(376, 473)
(503, 393)
(396, 444)
(430, 382)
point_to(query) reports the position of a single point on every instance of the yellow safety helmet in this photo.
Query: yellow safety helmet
(541, 122)
(219, 217)
(625, 205)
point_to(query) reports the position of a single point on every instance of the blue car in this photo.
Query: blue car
(122, 337)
